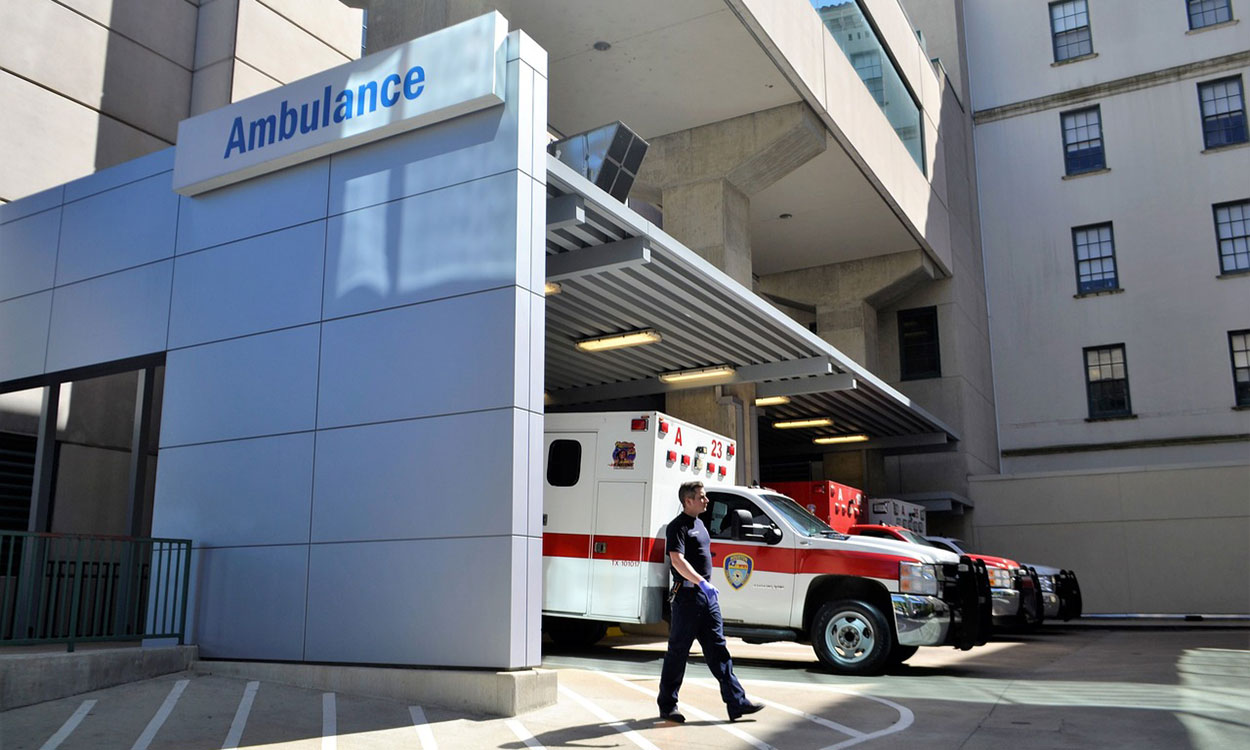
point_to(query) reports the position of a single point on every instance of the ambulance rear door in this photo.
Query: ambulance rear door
(568, 515)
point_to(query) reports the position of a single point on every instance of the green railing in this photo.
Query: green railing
(69, 588)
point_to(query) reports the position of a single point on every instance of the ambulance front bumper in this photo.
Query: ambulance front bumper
(1005, 602)
(920, 620)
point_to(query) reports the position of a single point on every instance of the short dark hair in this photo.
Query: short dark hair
(688, 491)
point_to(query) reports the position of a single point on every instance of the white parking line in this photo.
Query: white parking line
(240, 716)
(721, 724)
(609, 719)
(162, 714)
(69, 726)
(523, 734)
(905, 718)
(424, 734)
(329, 723)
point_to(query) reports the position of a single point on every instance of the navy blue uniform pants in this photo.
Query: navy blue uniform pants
(695, 618)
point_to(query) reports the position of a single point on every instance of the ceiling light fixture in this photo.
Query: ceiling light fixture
(551, 288)
(797, 424)
(620, 340)
(702, 373)
(772, 400)
(836, 439)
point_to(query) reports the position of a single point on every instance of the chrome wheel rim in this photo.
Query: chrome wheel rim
(850, 637)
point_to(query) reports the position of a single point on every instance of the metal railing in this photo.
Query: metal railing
(70, 588)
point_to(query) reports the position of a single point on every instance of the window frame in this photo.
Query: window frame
(1068, 168)
(1090, 399)
(919, 313)
(1203, 117)
(1054, 33)
(1076, 258)
(1241, 392)
(1189, 14)
(1244, 204)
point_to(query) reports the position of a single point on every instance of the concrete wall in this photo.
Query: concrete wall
(1168, 539)
(338, 335)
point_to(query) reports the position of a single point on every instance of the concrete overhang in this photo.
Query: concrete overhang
(630, 275)
(672, 66)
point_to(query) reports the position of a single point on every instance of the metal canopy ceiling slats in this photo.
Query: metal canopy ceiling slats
(704, 317)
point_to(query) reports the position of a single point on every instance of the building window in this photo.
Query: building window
(1106, 382)
(1069, 29)
(1082, 141)
(1239, 349)
(868, 66)
(1223, 112)
(919, 354)
(1208, 13)
(1232, 229)
(1094, 247)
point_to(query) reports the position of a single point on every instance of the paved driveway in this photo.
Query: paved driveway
(1065, 688)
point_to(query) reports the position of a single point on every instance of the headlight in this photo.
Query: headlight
(1000, 578)
(917, 578)
(1048, 583)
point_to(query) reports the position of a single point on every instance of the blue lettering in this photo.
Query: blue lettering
(387, 99)
(343, 110)
(370, 88)
(285, 132)
(414, 82)
(307, 124)
(236, 138)
(260, 130)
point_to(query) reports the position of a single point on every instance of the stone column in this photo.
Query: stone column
(703, 179)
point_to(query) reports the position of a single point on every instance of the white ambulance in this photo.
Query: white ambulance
(610, 489)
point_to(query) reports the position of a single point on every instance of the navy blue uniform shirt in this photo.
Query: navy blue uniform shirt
(689, 536)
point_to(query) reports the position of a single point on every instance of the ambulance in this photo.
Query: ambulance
(610, 489)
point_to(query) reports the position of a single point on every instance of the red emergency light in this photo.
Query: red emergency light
(638, 425)
(723, 472)
(672, 456)
(662, 428)
(730, 450)
(711, 468)
(685, 460)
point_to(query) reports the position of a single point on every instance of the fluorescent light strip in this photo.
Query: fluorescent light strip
(795, 424)
(836, 439)
(772, 400)
(704, 373)
(620, 340)
(551, 288)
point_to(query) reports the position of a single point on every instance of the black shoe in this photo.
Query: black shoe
(674, 716)
(737, 712)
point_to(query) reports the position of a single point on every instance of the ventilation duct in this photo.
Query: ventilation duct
(608, 156)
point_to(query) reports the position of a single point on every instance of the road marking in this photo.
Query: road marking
(721, 724)
(609, 719)
(162, 714)
(424, 733)
(854, 733)
(329, 723)
(240, 716)
(69, 726)
(523, 734)
(905, 718)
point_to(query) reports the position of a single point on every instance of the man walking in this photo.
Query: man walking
(696, 611)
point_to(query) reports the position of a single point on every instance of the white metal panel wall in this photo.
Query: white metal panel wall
(416, 404)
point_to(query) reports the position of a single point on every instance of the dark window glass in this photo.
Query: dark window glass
(1094, 247)
(1223, 112)
(1106, 382)
(1208, 13)
(1232, 229)
(1069, 29)
(564, 463)
(1239, 349)
(919, 354)
(718, 517)
(1082, 141)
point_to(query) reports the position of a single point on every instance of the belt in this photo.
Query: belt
(689, 585)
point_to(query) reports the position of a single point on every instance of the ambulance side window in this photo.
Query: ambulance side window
(564, 463)
(718, 517)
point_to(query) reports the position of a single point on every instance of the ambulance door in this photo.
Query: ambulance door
(752, 564)
(616, 551)
(568, 513)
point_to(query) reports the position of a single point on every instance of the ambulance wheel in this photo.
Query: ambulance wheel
(571, 633)
(900, 654)
(852, 637)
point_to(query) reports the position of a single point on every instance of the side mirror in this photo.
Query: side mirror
(772, 535)
(739, 523)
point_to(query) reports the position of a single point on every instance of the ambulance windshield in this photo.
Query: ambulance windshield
(799, 517)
